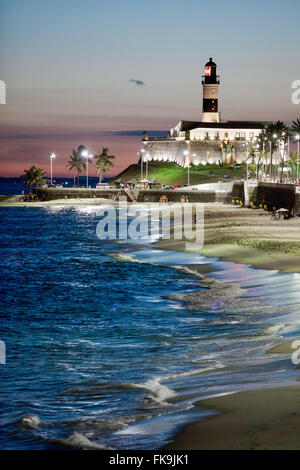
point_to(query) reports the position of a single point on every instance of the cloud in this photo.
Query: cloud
(138, 132)
(137, 82)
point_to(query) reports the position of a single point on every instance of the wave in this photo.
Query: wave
(193, 372)
(273, 329)
(126, 257)
(80, 441)
(29, 422)
(159, 393)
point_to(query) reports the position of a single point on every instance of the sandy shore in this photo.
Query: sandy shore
(255, 419)
(247, 236)
(259, 419)
(14, 202)
(231, 233)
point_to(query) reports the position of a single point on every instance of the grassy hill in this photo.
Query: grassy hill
(171, 174)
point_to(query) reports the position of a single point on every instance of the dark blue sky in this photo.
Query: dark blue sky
(70, 67)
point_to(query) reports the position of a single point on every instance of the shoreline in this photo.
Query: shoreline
(247, 236)
(58, 202)
(231, 233)
(244, 421)
(261, 419)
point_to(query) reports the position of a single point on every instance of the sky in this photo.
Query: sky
(92, 72)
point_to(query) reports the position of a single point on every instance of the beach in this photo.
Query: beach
(231, 233)
(247, 236)
(264, 418)
(255, 419)
(252, 420)
(15, 201)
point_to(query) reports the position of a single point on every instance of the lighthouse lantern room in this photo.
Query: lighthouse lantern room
(210, 82)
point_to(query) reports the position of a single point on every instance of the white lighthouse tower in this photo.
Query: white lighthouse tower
(210, 82)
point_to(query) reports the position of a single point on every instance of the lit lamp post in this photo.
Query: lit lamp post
(246, 158)
(281, 146)
(147, 161)
(298, 139)
(271, 157)
(85, 154)
(142, 162)
(185, 153)
(265, 158)
(52, 155)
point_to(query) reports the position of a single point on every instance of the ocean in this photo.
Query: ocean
(98, 353)
(14, 186)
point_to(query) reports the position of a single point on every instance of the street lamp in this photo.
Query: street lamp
(185, 153)
(271, 157)
(86, 155)
(247, 156)
(52, 155)
(147, 161)
(298, 139)
(142, 159)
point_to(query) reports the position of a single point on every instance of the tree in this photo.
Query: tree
(77, 161)
(296, 125)
(103, 162)
(72, 164)
(34, 177)
(275, 132)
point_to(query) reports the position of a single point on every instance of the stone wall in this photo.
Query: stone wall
(199, 151)
(165, 151)
(176, 195)
(275, 195)
(297, 200)
(76, 193)
(238, 191)
(141, 195)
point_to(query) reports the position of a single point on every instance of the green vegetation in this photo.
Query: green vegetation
(34, 177)
(296, 125)
(76, 163)
(171, 174)
(103, 162)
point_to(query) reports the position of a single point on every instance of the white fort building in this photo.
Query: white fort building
(209, 141)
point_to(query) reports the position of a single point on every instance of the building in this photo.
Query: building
(209, 141)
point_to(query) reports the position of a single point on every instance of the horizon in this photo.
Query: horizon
(102, 87)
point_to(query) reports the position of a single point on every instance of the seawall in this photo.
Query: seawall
(248, 193)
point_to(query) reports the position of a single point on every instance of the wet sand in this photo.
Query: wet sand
(259, 419)
(247, 236)
(255, 419)
(14, 202)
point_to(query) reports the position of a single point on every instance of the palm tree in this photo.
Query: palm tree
(296, 126)
(72, 164)
(34, 177)
(103, 162)
(275, 132)
(77, 161)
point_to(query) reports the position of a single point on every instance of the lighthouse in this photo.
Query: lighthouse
(210, 82)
